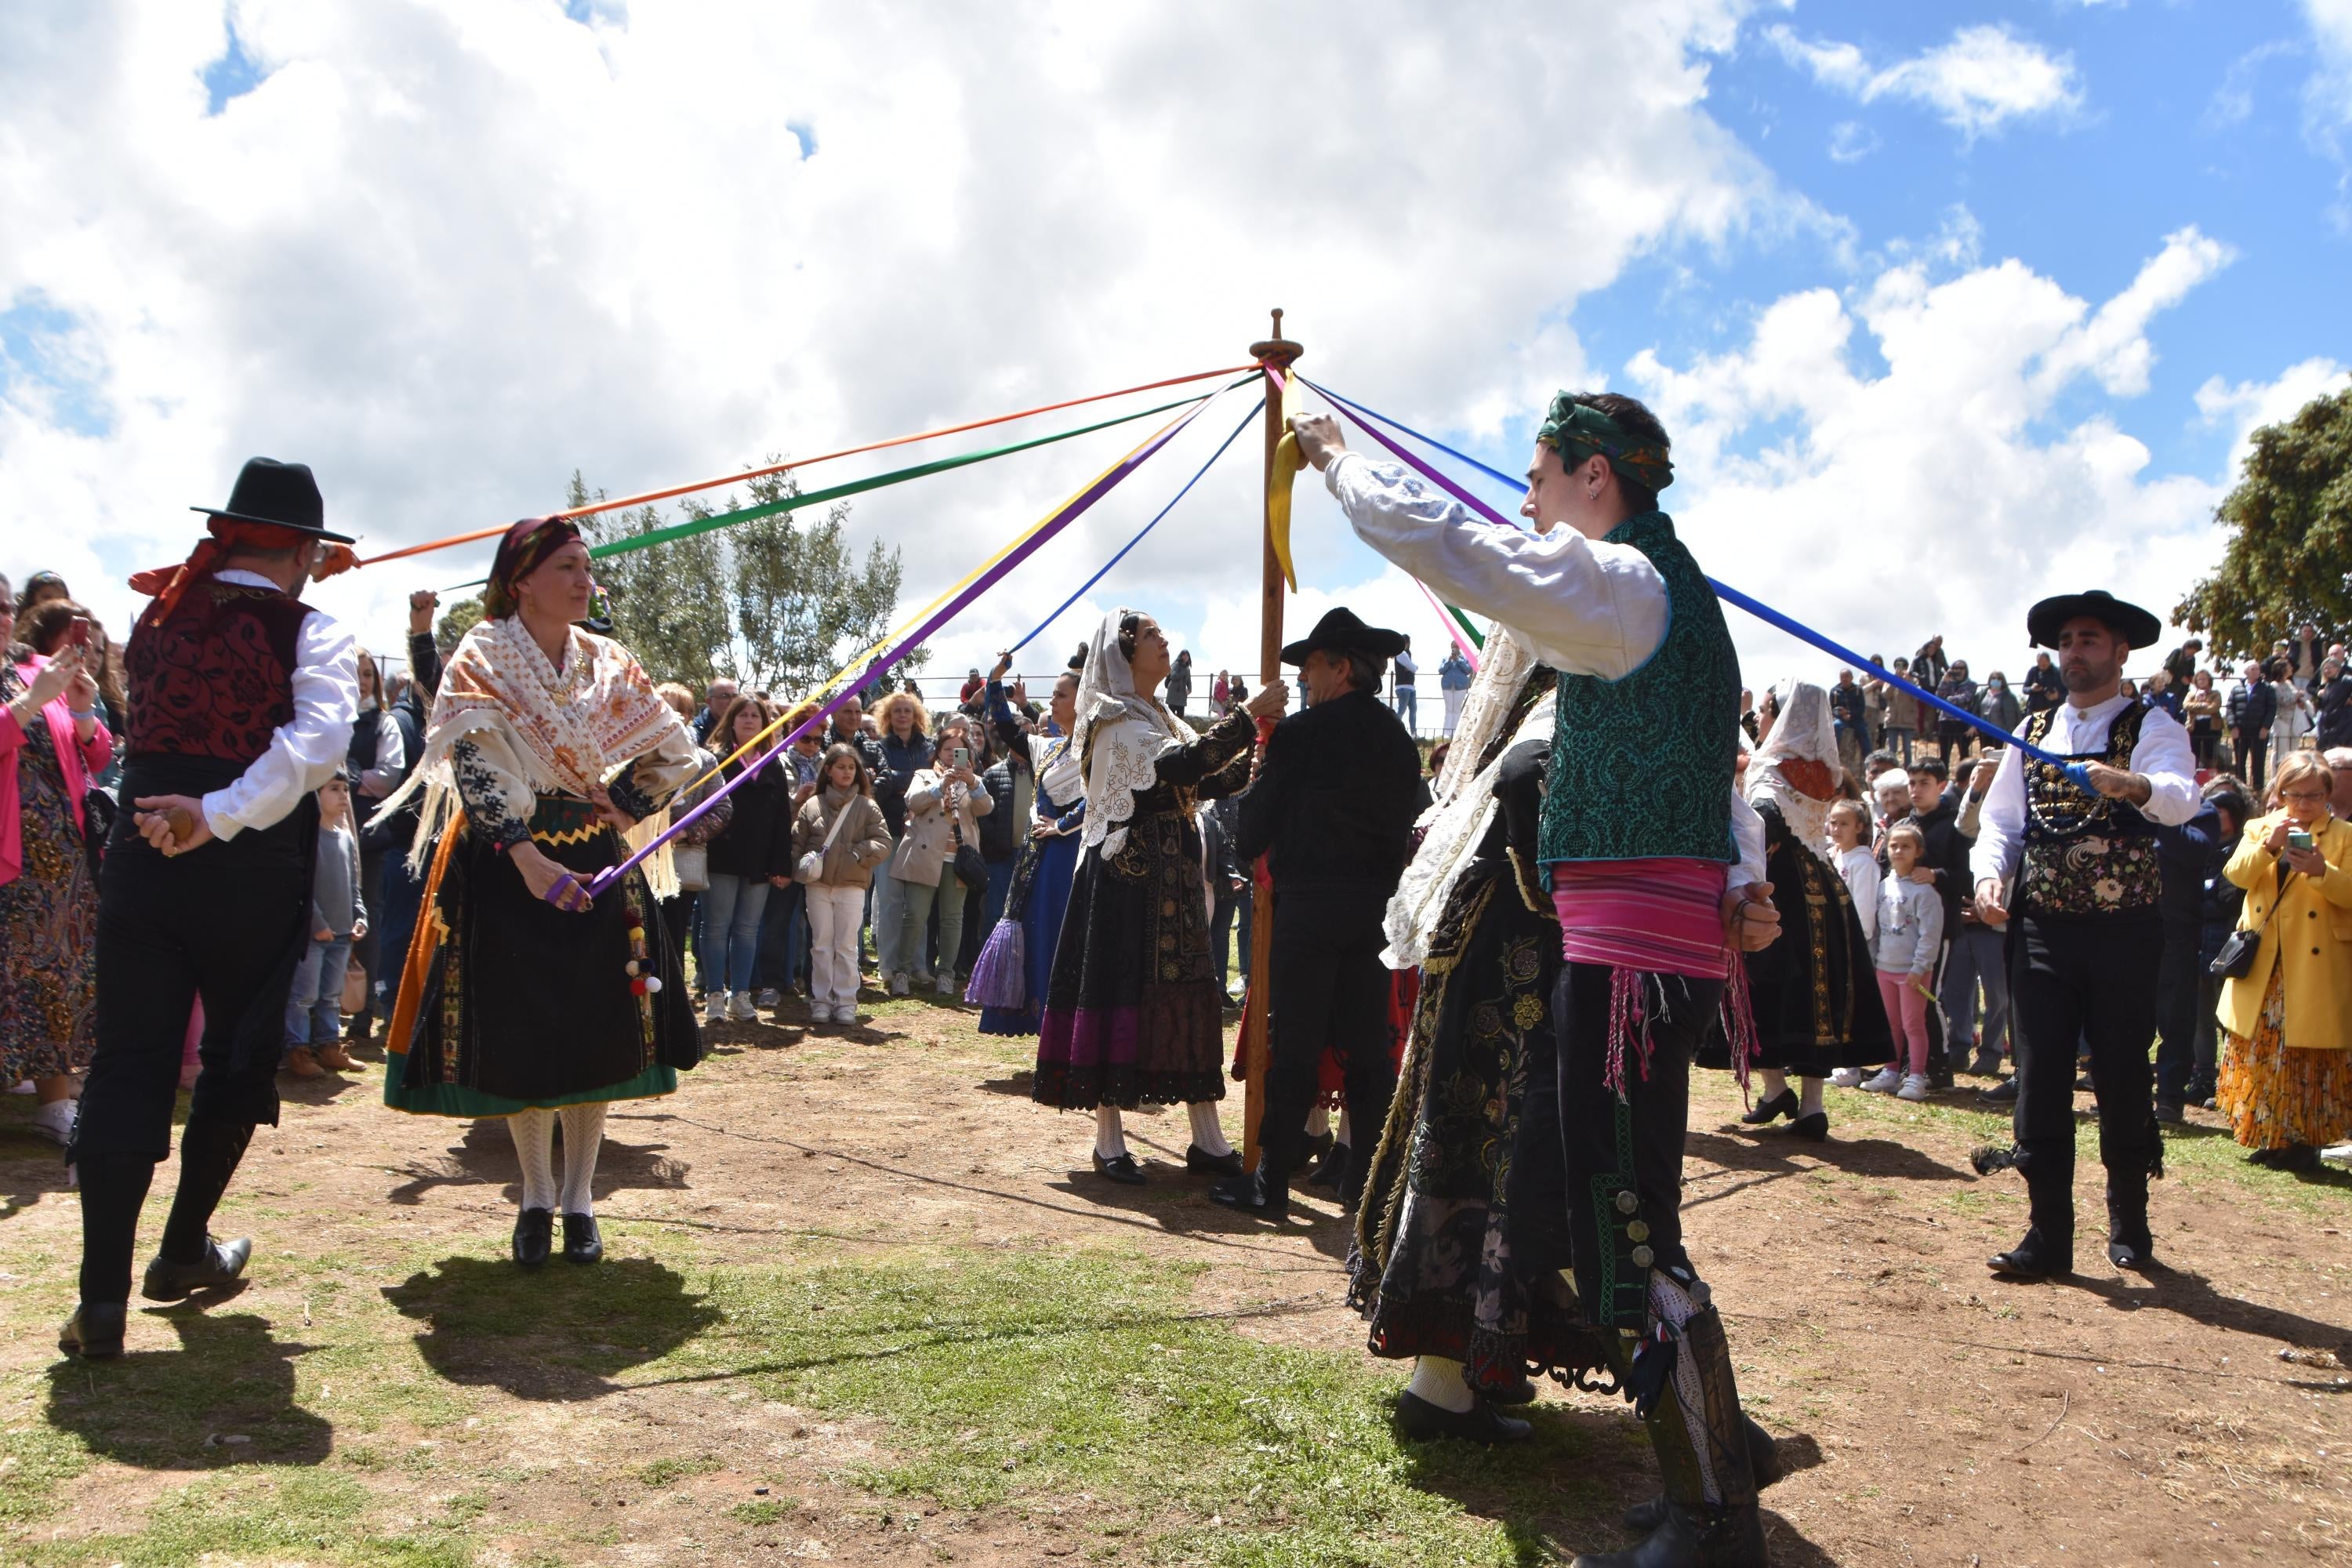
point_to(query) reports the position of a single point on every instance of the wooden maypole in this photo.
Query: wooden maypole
(1280, 352)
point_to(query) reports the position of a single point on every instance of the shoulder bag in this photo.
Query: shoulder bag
(2236, 959)
(810, 866)
(969, 868)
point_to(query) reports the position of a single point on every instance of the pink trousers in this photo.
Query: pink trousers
(1907, 1018)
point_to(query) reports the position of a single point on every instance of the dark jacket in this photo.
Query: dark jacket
(2044, 689)
(412, 714)
(758, 839)
(1947, 855)
(1846, 703)
(2185, 857)
(1000, 834)
(1929, 665)
(2223, 902)
(2169, 700)
(2250, 710)
(2334, 699)
(899, 764)
(1999, 707)
(1335, 800)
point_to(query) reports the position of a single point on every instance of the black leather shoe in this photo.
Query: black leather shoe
(2171, 1112)
(1813, 1126)
(582, 1242)
(222, 1263)
(95, 1330)
(1251, 1194)
(1987, 1064)
(2002, 1093)
(2027, 1260)
(1482, 1423)
(1121, 1168)
(2139, 1255)
(1314, 1149)
(1763, 1459)
(1771, 1108)
(1331, 1171)
(534, 1232)
(1198, 1159)
(1708, 1538)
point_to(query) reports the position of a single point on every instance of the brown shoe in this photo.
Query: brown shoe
(302, 1062)
(332, 1056)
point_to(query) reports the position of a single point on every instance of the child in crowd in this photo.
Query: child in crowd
(1849, 829)
(1910, 934)
(337, 916)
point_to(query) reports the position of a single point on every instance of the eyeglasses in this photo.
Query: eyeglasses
(2305, 795)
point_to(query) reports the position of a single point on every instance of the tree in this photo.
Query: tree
(2290, 522)
(668, 602)
(455, 621)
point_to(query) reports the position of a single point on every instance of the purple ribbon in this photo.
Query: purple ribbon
(1070, 512)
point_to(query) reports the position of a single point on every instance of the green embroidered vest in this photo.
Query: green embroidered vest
(1642, 766)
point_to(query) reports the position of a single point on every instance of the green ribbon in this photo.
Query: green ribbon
(1478, 639)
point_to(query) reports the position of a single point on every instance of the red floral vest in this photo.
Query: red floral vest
(216, 677)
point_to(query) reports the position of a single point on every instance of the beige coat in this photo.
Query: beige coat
(863, 843)
(2313, 930)
(926, 847)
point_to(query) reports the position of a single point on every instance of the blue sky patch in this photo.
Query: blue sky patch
(231, 75)
(46, 358)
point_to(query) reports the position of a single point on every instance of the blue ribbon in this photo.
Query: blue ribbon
(2077, 772)
(1147, 528)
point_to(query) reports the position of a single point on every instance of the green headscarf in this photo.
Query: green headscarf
(1577, 430)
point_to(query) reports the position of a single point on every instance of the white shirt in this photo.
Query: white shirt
(1585, 607)
(1859, 867)
(2162, 757)
(305, 751)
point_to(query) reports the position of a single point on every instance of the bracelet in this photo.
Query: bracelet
(83, 713)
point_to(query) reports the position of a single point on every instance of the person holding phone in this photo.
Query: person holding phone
(2286, 1057)
(2089, 928)
(945, 802)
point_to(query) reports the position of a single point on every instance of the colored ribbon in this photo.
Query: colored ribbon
(1058, 610)
(652, 496)
(852, 676)
(1287, 462)
(1447, 622)
(1370, 423)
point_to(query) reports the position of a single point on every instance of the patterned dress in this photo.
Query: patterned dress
(1040, 896)
(48, 921)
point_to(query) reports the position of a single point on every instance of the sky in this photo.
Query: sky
(1945, 307)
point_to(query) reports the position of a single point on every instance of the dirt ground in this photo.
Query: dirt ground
(2200, 1415)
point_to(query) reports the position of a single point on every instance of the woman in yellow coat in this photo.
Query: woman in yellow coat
(2286, 1070)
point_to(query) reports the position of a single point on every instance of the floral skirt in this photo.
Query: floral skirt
(2276, 1094)
(48, 937)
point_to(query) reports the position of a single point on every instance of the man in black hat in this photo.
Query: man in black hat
(2087, 930)
(243, 698)
(1333, 804)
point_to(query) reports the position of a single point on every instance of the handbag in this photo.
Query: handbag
(969, 868)
(810, 866)
(2235, 961)
(97, 814)
(692, 863)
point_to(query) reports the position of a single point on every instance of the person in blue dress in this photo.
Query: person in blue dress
(1041, 878)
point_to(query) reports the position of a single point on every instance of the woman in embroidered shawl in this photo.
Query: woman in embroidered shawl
(1024, 962)
(1813, 992)
(1435, 1267)
(1133, 1015)
(520, 997)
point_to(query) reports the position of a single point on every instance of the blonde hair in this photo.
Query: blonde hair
(676, 695)
(884, 709)
(2299, 765)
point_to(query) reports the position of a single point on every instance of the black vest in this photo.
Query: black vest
(2086, 856)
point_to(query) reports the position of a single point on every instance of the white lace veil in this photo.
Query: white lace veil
(1463, 800)
(1802, 732)
(1121, 734)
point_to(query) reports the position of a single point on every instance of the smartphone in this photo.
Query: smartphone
(79, 635)
(2298, 838)
(963, 760)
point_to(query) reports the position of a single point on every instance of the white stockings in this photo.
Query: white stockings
(534, 1140)
(1440, 1381)
(1111, 1136)
(1208, 1133)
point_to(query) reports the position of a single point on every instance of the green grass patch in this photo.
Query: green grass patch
(307, 1515)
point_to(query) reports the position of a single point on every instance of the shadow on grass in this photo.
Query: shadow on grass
(1776, 1153)
(2192, 1296)
(225, 1396)
(553, 1333)
(484, 1156)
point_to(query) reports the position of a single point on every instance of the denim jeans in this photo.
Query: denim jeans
(731, 910)
(404, 895)
(1000, 888)
(918, 900)
(314, 1007)
(1898, 740)
(783, 938)
(889, 922)
(1979, 957)
(1407, 707)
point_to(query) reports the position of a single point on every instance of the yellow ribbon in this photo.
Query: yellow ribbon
(1287, 462)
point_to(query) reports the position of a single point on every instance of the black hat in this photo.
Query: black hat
(282, 495)
(1340, 632)
(2129, 622)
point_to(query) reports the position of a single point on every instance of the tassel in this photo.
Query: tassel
(1739, 1023)
(1653, 1367)
(999, 975)
(1628, 1025)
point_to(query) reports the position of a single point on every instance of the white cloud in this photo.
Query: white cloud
(446, 250)
(1943, 495)
(2247, 406)
(1851, 142)
(2328, 99)
(1983, 78)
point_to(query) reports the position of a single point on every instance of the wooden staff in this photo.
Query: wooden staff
(1281, 352)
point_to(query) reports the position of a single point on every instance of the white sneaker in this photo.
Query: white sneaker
(28, 1087)
(714, 1011)
(1886, 1080)
(768, 998)
(1847, 1078)
(899, 984)
(1914, 1087)
(55, 1121)
(845, 1013)
(946, 985)
(739, 1008)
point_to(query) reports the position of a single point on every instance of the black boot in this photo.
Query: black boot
(209, 1153)
(1332, 1169)
(1695, 1532)
(2129, 1245)
(534, 1234)
(1253, 1195)
(1763, 1457)
(95, 1330)
(2048, 1249)
(222, 1264)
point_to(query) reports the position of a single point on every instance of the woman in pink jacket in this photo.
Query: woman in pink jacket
(53, 741)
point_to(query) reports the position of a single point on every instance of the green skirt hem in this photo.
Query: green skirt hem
(457, 1100)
